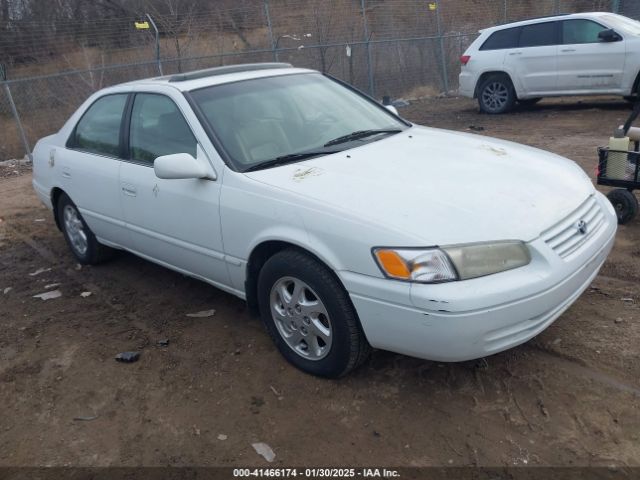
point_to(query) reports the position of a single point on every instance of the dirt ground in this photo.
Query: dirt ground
(569, 397)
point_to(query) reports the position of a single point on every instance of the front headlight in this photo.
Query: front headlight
(445, 264)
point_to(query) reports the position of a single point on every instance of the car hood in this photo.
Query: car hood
(440, 187)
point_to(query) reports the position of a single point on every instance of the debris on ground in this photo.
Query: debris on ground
(476, 128)
(78, 266)
(49, 295)
(7, 290)
(222, 436)
(163, 343)
(128, 357)
(39, 271)
(202, 314)
(85, 419)
(619, 320)
(39, 220)
(85, 294)
(51, 285)
(264, 450)
(630, 300)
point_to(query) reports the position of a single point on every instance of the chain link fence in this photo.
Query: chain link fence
(400, 48)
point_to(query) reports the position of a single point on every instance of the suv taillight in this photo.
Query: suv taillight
(464, 59)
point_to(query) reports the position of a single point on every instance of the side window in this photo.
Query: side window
(507, 38)
(580, 31)
(98, 131)
(158, 128)
(539, 35)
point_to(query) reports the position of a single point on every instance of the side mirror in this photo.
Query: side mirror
(609, 35)
(392, 109)
(178, 165)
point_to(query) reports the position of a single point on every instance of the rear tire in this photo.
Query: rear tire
(496, 94)
(310, 316)
(625, 204)
(80, 239)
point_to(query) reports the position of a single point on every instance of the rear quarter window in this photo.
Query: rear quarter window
(502, 39)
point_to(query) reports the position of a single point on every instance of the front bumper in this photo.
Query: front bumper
(459, 321)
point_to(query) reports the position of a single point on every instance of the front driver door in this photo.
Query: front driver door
(174, 222)
(585, 64)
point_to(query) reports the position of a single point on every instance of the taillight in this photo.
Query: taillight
(464, 59)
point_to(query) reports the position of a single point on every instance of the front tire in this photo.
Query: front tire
(625, 204)
(496, 94)
(80, 239)
(309, 315)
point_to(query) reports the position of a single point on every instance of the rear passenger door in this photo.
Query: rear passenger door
(534, 64)
(586, 64)
(88, 168)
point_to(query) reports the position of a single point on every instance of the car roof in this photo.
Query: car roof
(216, 76)
(551, 18)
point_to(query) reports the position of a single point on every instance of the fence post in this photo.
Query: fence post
(153, 24)
(270, 26)
(615, 6)
(443, 61)
(365, 25)
(16, 116)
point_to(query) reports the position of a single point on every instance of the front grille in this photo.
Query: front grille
(565, 237)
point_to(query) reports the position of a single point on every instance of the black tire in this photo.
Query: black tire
(529, 101)
(349, 347)
(625, 203)
(94, 252)
(496, 94)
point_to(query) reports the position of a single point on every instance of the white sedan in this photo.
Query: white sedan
(344, 225)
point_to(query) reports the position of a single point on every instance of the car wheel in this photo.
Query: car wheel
(625, 204)
(496, 94)
(310, 316)
(529, 101)
(81, 240)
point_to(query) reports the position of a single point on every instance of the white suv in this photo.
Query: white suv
(578, 54)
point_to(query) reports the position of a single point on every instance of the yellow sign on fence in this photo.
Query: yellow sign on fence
(142, 25)
(433, 6)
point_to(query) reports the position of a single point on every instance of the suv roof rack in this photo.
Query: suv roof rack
(210, 72)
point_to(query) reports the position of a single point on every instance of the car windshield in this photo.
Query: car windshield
(267, 121)
(623, 23)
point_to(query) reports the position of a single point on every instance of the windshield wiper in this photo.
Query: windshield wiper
(360, 134)
(291, 157)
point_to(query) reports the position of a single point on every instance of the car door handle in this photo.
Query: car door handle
(129, 190)
(564, 50)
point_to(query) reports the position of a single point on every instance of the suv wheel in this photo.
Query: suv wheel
(310, 316)
(81, 240)
(496, 94)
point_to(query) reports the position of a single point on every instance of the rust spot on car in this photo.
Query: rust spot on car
(303, 173)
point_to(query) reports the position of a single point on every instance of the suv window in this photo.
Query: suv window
(539, 35)
(507, 38)
(98, 131)
(580, 31)
(158, 128)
